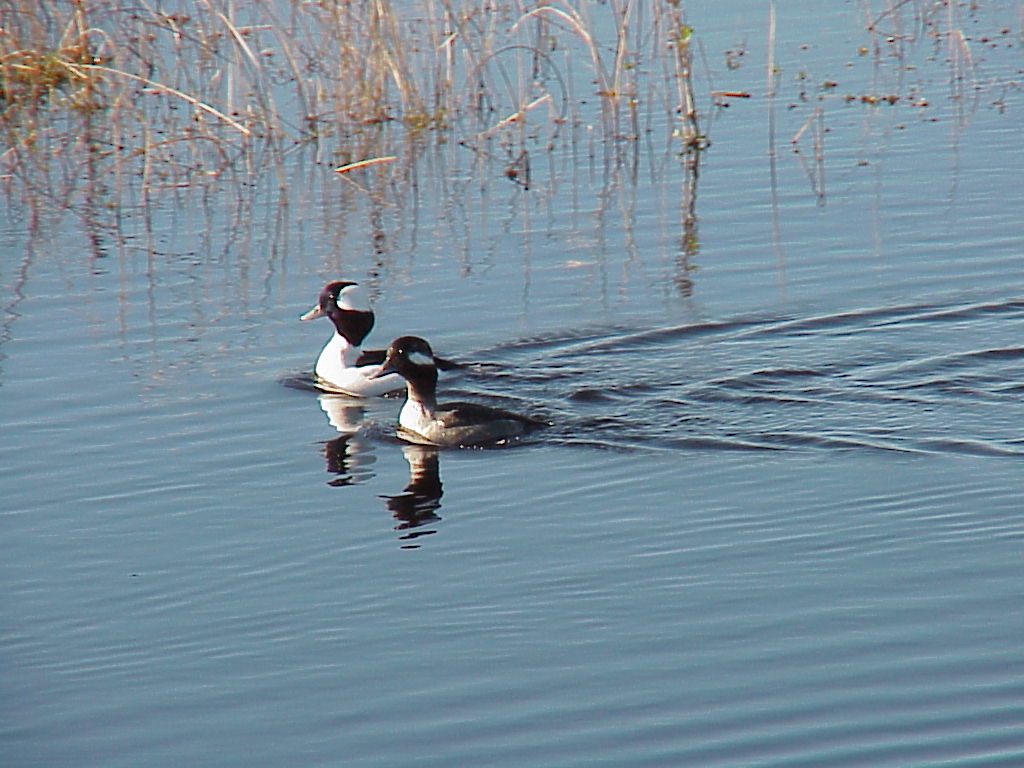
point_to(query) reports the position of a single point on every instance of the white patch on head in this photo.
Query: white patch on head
(353, 297)
(420, 358)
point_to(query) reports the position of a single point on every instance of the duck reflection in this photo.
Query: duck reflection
(350, 455)
(415, 507)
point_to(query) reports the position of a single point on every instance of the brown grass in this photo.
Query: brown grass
(186, 98)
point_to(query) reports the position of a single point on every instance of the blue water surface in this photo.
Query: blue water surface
(776, 520)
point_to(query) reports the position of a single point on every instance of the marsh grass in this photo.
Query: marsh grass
(146, 97)
(108, 105)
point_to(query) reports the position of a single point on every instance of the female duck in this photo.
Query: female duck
(423, 421)
(343, 366)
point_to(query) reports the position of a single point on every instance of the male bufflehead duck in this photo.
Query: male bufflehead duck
(343, 366)
(423, 421)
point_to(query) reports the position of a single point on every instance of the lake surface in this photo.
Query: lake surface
(777, 520)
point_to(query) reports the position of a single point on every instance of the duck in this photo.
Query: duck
(424, 421)
(343, 366)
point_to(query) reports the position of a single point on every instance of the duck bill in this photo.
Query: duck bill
(384, 370)
(313, 314)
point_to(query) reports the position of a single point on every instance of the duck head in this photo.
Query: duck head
(345, 303)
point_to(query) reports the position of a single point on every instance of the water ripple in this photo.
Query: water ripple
(912, 378)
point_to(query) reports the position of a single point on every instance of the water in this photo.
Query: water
(776, 520)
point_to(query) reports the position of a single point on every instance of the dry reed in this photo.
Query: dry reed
(189, 93)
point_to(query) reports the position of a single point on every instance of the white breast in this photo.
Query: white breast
(337, 372)
(415, 418)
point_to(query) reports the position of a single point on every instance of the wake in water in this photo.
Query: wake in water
(916, 378)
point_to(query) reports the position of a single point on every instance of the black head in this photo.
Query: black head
(332, 291)
(343, 301)
(412, 358)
